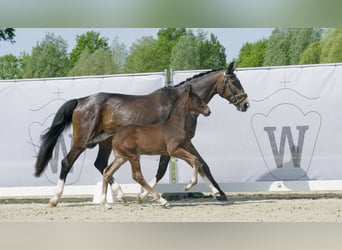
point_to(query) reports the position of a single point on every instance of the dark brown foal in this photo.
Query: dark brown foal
(170, 137)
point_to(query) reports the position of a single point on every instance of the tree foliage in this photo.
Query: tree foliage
(252, 54)
(212, 53)
(141, 58)
(331, 46)
(186, 54)
(176, 48)
(9, 67)
(89, 41)
(312, 54)
(7, 34)
(100, 62)
(198, 52)
(119, 53)
(49, 58)
(285, 46)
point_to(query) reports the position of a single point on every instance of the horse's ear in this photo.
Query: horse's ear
(231, 68)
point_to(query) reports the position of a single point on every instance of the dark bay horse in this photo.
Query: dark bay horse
(170, 137)
(97, 117)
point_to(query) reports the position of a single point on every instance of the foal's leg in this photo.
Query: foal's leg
(105, 148)
(108, 174)
(192, 161)
(138, 177)
(208, 174)
(163, 163)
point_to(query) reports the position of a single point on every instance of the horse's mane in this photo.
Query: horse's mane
(198, 76)
(166, 89)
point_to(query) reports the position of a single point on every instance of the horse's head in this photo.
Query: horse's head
(196, 103)
(231, 89)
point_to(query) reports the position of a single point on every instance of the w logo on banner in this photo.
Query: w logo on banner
(286, 134)
(286, 137)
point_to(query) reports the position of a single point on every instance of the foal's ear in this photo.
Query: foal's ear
(189, 89)
(231, 68)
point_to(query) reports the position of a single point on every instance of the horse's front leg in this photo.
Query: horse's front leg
(208, 176)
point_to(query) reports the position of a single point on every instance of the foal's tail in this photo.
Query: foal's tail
(62, 119)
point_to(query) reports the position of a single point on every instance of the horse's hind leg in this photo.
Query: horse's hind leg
(67, 163)
(138, 177)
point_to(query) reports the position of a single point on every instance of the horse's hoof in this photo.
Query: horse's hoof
(53, 203)
(221, 198)
(107, 206)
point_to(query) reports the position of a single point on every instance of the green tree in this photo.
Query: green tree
(331, 46)
(198, 52)
(119, 53)
(12, 67)
(90, 41)
(176, 48)
(300, 40)
(99, 62)
(277, 48)
(9, 67)
(148, 54)
(49, 58)
(7, 34)
(252, 54)
(312, 54)
(186, 54)
(143, 56)
(285, 46)
(212, 53)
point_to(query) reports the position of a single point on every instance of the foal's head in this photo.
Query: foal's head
(196, 104)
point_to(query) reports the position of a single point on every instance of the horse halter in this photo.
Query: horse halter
(235, 99)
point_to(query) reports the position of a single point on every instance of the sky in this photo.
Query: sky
(231, 38)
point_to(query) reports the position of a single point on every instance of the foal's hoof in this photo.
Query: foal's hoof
(166, 205)
(140, 200)
(121, 200)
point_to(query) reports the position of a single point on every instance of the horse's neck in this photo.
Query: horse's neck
(180, 113)
(205, 87)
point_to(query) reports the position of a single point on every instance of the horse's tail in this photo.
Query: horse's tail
(62, 120)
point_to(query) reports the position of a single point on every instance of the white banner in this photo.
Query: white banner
(292, 131)
(27, 108)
